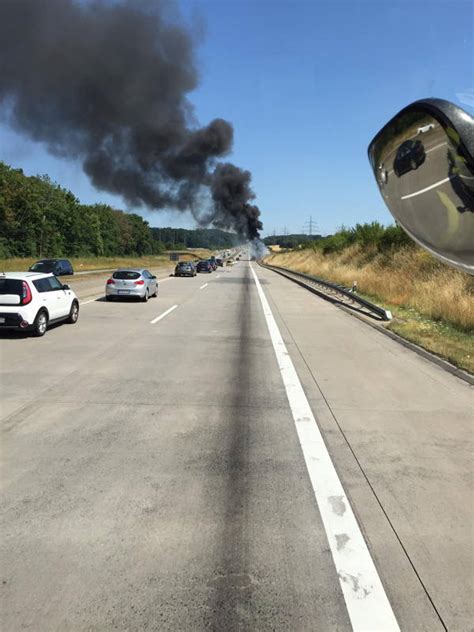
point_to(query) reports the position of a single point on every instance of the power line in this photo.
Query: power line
(310, 225)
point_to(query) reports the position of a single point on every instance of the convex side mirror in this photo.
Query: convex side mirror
(423, 163)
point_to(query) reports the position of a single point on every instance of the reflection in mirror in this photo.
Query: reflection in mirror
(426, 178)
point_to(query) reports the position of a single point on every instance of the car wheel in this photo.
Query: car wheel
(41, 324)
(145, 298)
(156, 291)
(73, 313)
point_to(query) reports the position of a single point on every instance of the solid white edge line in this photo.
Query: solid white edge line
(203, 286)
(367, 604)
(436, 184)
(168, 311)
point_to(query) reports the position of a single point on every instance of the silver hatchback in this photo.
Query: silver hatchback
(131, 282)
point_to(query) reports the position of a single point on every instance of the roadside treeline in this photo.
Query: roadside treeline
(177, 238)
(374, 235)
(290, 241)
(40, 218)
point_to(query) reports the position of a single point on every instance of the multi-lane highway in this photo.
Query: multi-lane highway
(236, 454)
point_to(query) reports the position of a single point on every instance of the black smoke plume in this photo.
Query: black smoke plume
(231, 193)
(107, 83)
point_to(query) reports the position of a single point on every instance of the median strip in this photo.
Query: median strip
(168, 311)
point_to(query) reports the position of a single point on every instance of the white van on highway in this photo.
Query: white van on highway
(30, 301)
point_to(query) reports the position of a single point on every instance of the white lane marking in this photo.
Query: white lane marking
(367, 604)
(436, 184)
(168, 311)
(203, 286)
(436, 147)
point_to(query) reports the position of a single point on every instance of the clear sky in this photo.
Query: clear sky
(306, 85)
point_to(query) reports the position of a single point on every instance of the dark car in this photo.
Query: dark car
(204, 266)
(185, 268)
(58, 267)
(410, 155)
(220, 262)
(213, 264)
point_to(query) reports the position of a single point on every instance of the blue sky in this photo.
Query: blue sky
(306, 86)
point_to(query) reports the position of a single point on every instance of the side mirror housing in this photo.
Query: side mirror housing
(66, 286)
(423, 163)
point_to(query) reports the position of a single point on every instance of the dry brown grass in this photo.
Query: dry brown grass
(408, 277)
(433, 305)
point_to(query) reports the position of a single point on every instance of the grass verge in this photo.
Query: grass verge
(432, 305)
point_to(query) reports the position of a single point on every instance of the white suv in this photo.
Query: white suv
(29, 301)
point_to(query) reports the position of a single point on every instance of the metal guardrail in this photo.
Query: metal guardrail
(348, 297)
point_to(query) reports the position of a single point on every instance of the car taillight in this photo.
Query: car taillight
(140, 282)
(26, 296)
(110, 282)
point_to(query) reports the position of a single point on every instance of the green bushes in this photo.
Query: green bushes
(373, 236)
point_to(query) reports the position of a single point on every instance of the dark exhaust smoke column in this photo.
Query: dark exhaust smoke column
(107, 84)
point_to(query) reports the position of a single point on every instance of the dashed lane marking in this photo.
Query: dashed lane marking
(436, 184)
(203, 286)
(168, 311)
(367, 604)
(436, 147)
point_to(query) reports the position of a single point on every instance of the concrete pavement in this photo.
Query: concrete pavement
(153, 478)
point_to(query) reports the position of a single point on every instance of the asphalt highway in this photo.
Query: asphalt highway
(162, 468)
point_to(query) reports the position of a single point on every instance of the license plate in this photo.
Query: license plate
(124, 291)
(2, 320)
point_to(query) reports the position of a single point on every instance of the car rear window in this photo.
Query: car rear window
(44, 266)
(125, 274)
(10, 286)
(47, 284)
